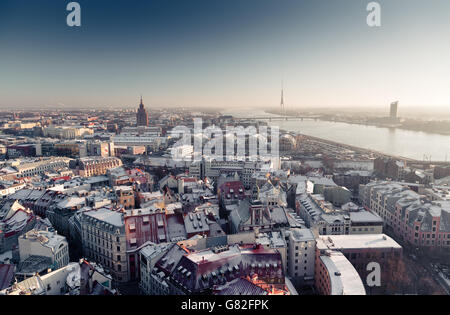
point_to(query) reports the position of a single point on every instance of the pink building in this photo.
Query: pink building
(410, 216)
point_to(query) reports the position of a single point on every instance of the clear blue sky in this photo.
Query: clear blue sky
(224, 53)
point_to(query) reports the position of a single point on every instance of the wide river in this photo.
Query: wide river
(398, 142)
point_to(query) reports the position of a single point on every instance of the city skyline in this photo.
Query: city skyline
(223, 54)
(205, 149)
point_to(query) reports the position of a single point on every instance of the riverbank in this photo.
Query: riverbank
(438, 127)
(402, 144)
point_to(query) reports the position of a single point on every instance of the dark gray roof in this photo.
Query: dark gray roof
(239, 286)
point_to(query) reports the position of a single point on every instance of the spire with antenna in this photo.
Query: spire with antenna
(283, 111)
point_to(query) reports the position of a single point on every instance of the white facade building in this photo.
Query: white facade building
(47, 244)
(301, 254)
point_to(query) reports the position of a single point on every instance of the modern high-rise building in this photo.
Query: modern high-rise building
(141, 116)
(394, 107)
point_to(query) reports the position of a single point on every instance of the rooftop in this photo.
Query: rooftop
(106, 215)
(344, 278)
(357, 241)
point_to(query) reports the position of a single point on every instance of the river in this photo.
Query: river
(398, 142)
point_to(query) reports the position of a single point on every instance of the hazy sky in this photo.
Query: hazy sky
(224, 53)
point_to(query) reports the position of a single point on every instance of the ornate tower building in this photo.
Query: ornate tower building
(141, 116)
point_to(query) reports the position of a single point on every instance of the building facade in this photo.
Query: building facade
(142, 116)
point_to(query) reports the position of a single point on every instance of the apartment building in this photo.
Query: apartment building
(94, 166)
(411, 217)
(46, 244)
(104, 241)
(300, 255)
(360, 251)
(40, 166)
(148, 256)
(318, 213)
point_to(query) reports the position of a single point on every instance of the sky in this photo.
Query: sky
(224, 54)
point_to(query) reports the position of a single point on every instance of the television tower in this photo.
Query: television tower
(282, 109)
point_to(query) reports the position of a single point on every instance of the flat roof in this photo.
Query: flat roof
(357, 241)
(302, 235)
(106, 215)
(344, 278)
(365, 216)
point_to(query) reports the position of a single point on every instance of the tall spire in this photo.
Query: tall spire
(142, 116)
(282, 98)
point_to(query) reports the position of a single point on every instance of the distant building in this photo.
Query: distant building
(93, 166)
(337, 195)
(14, 151)
(393, 112)
(441, 171)
(66, 132)
(40, 166)
(214, 169)
(99, 148)
(141, 116)
(352, 179)
(389, 168)
(287, 143)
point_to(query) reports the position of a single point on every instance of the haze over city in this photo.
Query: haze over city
(220, 54)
